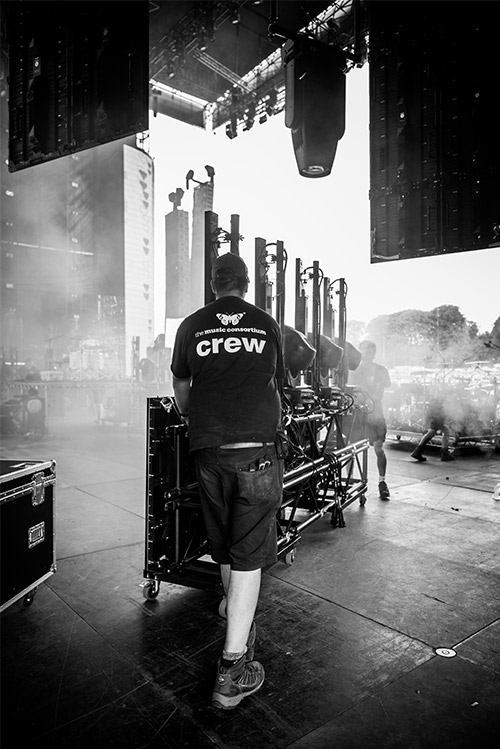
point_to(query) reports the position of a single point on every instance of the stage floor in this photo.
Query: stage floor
(347, 634)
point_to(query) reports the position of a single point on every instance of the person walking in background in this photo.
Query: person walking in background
(227, 364)
(373, 379)
(436, 418)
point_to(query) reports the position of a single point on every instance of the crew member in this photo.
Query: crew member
(226, 365)
(374, 379)
(437, 418)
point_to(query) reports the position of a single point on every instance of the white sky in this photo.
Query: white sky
(326, 219)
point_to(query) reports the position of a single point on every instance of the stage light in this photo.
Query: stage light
(249, 117)
(271, 102)
(315, 103)
(235, 14)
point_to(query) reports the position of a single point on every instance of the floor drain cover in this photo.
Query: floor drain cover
(446, 652)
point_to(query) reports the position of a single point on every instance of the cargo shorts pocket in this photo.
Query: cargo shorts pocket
(262, 487)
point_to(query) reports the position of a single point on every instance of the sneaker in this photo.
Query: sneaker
(251, 643)
(383, 490)
(447, 456)
(418, 455)
(234, 684)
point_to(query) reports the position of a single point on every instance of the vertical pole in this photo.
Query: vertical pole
(260, 273)
(327, 309)
(211, 224)
(300, 300)
(316, 326)
(343, 375)
(235, 233)
(280, 285)
(342, 312)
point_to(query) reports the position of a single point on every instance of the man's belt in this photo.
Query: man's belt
(238, 445)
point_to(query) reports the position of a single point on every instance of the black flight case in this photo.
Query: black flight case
(27, 528)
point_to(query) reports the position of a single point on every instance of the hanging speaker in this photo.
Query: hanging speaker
(314, 102)
(78, 76)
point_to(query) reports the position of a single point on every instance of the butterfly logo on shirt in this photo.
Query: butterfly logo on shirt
(229, 319)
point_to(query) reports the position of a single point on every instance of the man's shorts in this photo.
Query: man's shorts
(375, 428)
(240, 504)
(436, 422)
(435, 417)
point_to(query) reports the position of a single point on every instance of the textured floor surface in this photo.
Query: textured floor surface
(348, 633)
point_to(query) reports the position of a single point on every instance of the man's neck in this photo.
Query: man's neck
(233, 292)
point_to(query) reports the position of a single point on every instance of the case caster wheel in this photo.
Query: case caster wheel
(222, 608)
(290, 557)
(150, 589)
(28, 598)
(362, 500)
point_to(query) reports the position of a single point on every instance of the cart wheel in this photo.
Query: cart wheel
(362, 500)
(222, 608)
(290, 557)
(151, 589)
(28, 598)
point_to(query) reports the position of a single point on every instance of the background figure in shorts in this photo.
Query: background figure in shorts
(373, 379)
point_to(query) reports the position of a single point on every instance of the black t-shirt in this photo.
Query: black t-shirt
(232, 352)
(373, 379)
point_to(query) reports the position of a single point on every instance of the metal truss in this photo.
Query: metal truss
(317, 483)
(336, 25)
(261, 92)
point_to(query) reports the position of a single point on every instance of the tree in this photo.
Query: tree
(400, 337)
(446, 326)
(355, 331)
(412, 324)
(376, 331)
(412, 336)
(473, 329)
(492, 341)
(495, 333)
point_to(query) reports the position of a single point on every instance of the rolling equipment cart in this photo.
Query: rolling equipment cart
(319, 478)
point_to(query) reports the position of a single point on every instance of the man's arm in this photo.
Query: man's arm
(182, 388)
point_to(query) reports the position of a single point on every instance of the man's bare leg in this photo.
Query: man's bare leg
(445, 440)
(383, 489)
(238, 674)
(378, 446)
(225, 572)
(242, 597)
